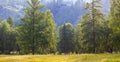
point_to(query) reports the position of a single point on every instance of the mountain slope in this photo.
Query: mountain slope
(63, 10)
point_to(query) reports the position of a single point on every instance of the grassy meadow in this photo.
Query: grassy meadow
(61, 58)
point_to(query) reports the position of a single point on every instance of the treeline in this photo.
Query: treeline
(37, 34)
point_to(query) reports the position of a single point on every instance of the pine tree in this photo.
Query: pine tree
(30, 31)
(90, 25)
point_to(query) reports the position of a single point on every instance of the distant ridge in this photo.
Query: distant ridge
(62, 10)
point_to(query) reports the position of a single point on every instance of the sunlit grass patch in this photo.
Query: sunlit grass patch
(110, 60)
(62, 58)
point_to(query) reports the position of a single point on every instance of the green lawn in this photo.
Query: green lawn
(61, 58)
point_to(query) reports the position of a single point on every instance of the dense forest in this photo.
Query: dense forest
(39, 34)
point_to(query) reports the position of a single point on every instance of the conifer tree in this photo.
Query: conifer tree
(114, 24)
(10, 21)
(66, 35)
(7, 38)
(90, 25)
(29, 31)
(49, 32)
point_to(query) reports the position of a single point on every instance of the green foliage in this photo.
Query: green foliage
(114, 23)
(92, 33)
(37, 33)
(78, 39)
(66, 35)
(7, 38)
(49, 32)
(90, 27)
(30, 31)
(10, 21)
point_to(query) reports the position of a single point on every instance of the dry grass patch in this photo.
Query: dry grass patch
(62, 58)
